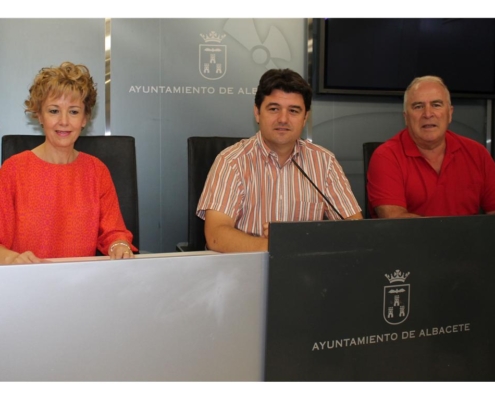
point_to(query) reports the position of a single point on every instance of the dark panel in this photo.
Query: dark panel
(329, 300)
(383, 55)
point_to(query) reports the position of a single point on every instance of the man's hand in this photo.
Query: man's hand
(358, 215)
(266, 227)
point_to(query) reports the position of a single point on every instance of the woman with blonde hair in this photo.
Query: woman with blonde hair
(55, 201)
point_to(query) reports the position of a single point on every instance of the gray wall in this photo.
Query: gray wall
(152, 57)
(27, 45)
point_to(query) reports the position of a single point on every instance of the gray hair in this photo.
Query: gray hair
(426, 78)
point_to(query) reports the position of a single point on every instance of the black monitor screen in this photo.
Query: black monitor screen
(385, 55)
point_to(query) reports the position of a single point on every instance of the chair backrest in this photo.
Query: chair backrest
(118, 153)
(368, 149)
(201, 153)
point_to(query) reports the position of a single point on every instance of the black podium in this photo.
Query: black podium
(382, 300)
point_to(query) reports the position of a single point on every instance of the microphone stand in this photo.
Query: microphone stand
(319, 191)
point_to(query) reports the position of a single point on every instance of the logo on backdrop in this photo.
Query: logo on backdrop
(263, 52)
(212, 56)
(396, 298)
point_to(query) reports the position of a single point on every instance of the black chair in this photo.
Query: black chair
(368, 149)
(201, 153)
(118, 153)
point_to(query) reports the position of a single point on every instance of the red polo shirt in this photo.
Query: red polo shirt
(399, 175)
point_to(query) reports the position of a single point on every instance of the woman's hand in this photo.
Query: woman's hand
(120, 249)
(28, 257)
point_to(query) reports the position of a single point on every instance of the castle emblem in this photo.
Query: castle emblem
(396, 298)
(212, 56)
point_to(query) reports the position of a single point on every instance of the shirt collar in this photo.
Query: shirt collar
(411, 149)
(267, 153)
(453, 143)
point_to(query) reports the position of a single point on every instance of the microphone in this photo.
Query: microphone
(316, 187)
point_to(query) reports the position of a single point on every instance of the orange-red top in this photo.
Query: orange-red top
(59, 210)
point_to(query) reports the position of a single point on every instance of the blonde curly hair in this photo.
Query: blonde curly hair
(68, 79)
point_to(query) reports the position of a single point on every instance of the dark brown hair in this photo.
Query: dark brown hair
(285, 80)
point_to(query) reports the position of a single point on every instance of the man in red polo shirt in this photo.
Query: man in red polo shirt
(427, 170)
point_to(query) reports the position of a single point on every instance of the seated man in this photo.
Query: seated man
(256, 181)
(427, 170)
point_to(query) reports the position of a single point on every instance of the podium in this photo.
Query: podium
(372, 300)
(159, 317)
(381, 300)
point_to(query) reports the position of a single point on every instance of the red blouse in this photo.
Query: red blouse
(59, 210)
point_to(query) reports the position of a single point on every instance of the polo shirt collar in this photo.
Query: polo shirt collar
(411, 149)
(452, 142)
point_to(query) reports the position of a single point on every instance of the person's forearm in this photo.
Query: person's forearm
(226, 239)
(394, 212)
(398, 215)
(358, 215)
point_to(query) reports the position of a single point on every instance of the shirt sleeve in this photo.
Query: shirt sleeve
(339, 192)
(7, 205)
(386, 184)
(112, 226)
(222, 191)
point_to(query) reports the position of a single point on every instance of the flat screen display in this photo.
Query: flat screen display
(383, 55)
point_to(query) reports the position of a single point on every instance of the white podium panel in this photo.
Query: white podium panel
(185, 318)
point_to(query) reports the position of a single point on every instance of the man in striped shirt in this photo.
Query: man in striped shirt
(256, 181)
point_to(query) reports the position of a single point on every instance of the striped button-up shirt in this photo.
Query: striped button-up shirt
(247, 183)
